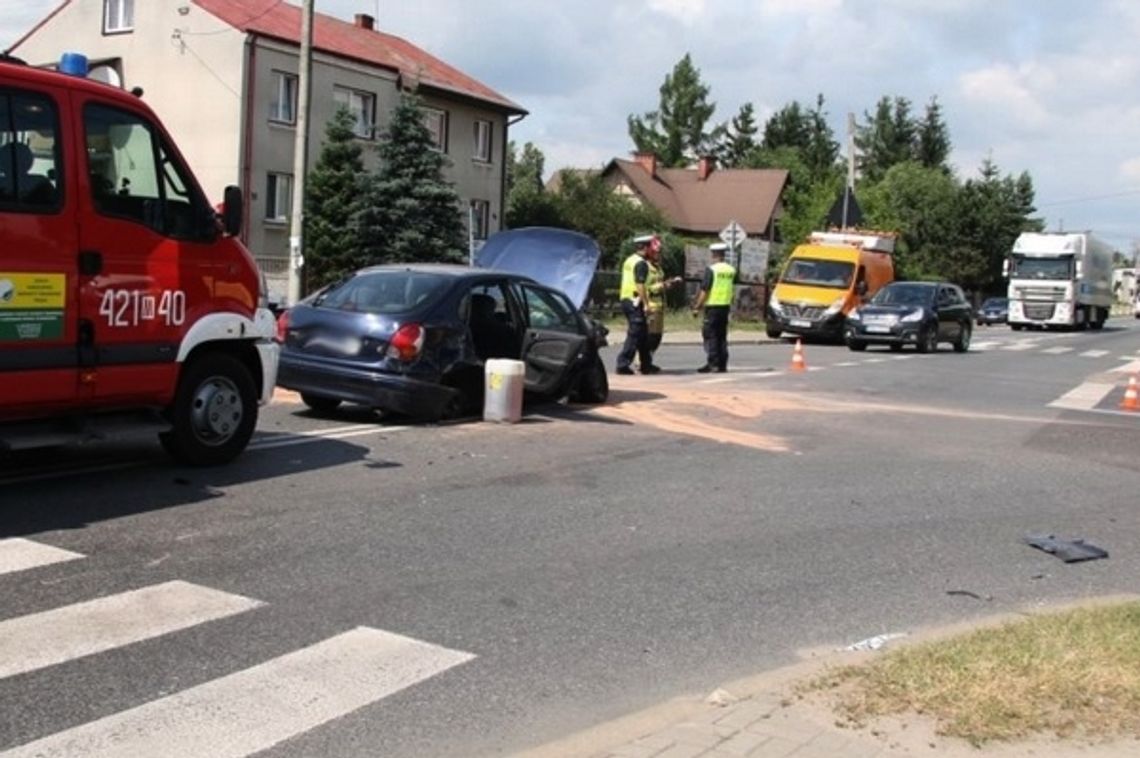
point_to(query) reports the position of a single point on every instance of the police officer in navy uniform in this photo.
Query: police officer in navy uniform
(716, 298)
(634, 296)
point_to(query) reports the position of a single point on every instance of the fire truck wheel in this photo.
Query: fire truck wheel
(214, 412)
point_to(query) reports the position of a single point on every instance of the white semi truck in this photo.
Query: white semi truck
(1059, 279)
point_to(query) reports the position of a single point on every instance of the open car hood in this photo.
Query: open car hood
(557, 258)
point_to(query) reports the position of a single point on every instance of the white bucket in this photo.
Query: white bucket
(503, 390)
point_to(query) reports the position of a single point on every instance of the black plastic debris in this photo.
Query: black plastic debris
(1070, 551)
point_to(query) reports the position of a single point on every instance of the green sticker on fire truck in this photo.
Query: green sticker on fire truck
(32, 306)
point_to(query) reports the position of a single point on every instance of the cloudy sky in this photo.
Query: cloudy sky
(1038, 85)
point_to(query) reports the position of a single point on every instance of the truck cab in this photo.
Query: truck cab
(126, 302)
(1059, 280)
(825, 279)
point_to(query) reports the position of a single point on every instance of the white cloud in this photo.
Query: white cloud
(1130, 170)
(1005, 92)
(685, 11)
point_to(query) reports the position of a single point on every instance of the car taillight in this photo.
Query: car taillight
(406, 343)
(282, 326)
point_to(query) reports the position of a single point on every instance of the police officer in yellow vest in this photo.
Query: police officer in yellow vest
(656, 285)
(716, 298)
(634, 302)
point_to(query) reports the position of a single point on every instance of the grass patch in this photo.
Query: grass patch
(1071, 673)
(682, 321)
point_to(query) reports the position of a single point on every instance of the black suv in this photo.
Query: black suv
(912, 313)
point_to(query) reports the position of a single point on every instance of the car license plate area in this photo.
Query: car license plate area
(878, 329)
(802, 323)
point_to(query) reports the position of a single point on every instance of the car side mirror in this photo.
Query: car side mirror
(1005, 269)
(861, 289)
(232, 211)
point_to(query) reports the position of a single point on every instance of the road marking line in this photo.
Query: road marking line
(1094, 353)
(1127, 368)
(305, 438)
(1083, 397)
(902, 357)
(1020, 346)
(984, 345)
(762, 374)
(845, 364)
(82, 629)
(874, 360)
(816, 368)
(19, 554)
(252, 710)
(719, 380)
(1057, 350)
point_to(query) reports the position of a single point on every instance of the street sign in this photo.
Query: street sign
(733, 234)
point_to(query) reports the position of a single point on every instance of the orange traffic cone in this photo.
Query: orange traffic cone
(798, 363)
(1131, 401)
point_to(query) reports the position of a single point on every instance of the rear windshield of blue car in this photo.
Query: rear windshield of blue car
(996, 302)
(384, 292)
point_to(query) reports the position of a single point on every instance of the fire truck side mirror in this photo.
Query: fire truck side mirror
(232, 211)
(1005, 268)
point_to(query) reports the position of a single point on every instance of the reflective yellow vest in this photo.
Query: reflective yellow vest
(628, 285)
(721, 292)
(654, 285)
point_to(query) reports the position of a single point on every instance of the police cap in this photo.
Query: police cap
(718, 248)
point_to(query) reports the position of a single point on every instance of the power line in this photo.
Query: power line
(1090, 198)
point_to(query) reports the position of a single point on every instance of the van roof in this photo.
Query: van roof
(831, 252)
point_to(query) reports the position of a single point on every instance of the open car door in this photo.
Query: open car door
(554, 339)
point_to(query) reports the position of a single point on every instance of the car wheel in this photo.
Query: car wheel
(319, 403)
(774, 332)
(896, 347)
(593, 386)
(928, 340)
(962, 344)
(857, 345)
(214, 412)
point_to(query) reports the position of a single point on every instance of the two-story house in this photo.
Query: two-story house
(222, 74)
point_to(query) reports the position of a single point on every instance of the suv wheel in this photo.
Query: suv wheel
(962, 344)
(928, 339)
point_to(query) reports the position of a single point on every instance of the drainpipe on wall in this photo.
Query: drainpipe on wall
(247, 136)
(503, 173)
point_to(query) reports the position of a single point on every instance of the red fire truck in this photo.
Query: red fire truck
(126, 302)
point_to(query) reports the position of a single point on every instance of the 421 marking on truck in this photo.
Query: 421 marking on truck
(125, 308)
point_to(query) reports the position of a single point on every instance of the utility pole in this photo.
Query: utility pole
(850, 188)
(300, 154)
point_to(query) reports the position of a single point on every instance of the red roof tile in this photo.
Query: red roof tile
(280, 20)
(748, 196)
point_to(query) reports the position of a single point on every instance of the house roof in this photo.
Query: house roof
(751, 197)
(280, 20)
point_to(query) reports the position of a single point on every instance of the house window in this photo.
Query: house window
(361, 105)
(436, 122)
(118, 16)
(479, 218)
(283, 108)
(483, 141)
(278, 197)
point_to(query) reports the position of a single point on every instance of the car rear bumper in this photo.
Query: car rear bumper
(390, 392)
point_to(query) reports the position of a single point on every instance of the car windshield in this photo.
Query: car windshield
(996, 302)
(383, 292)
(1042, 268)
(904, 294)
(819, 273)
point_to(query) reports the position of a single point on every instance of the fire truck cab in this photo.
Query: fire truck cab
(126, 302)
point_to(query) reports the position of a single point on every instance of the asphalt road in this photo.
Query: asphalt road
(357, 588)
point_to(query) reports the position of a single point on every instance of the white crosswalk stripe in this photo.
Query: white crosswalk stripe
(1021, 346)
(252, 710)
(19, 554)
(1094, 353)
(1057, 350)
(74, 631)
